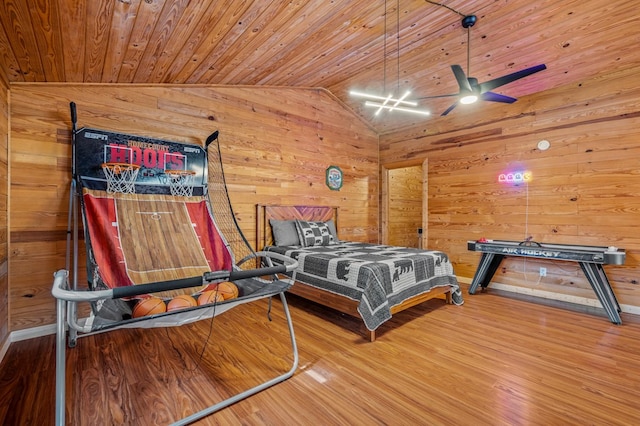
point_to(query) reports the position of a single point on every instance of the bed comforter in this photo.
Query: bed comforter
(378, 276)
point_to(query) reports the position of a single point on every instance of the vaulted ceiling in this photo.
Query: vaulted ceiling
(338, 45)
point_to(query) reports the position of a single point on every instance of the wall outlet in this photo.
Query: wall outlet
(543, 272)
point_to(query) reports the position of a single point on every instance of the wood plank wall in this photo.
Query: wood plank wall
(276, 145)
(4, 189)
(585, 188)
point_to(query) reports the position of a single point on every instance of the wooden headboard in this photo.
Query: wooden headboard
(264, 235)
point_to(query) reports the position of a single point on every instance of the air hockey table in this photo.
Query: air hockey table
(590, 258)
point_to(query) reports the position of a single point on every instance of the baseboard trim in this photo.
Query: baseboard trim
(578, 300)
(5, 348)
(27, 333)
(32, 333)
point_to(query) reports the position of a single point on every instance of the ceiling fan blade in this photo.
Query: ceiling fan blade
(506, 79)
(461, 77)
(497, 97)
(462, 80)
(448, 110)
(438, 96)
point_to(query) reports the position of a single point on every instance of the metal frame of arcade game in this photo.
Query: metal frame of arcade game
(590, 258)
(184, 216)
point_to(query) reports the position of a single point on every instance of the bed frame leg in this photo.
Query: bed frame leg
(372, 335)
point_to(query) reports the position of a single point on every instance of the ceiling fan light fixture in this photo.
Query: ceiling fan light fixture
(468, 99)
(470, 90)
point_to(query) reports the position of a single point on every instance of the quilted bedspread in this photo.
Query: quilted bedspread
(378, 276)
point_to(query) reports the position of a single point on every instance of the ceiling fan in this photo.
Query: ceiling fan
(471, 90)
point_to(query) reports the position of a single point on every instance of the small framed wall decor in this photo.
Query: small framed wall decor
(334, 178)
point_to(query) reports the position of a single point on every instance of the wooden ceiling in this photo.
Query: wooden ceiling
(337, 45)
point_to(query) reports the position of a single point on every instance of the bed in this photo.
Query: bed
(368, 281)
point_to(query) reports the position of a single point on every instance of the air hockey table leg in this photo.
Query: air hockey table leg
(600, 284)
(487, 266)
(606, 285)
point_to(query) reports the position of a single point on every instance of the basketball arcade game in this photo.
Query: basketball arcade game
(154, 233)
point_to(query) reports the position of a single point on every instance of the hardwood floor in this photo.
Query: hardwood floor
(495, 360)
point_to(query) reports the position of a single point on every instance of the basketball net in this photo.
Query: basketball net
(121, 177)
(181, 182)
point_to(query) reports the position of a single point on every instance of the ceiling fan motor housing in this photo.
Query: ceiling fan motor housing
(469, 21)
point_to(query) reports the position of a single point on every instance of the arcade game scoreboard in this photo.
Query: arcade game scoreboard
(590, 258)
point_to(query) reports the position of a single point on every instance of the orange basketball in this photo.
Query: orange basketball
(149, 306)
(181, 302)
(210, 296)
(227, 289)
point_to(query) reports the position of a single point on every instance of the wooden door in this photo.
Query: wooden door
(404, 206)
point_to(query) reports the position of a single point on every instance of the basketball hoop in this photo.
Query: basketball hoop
(181, 182)
(121, 177)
